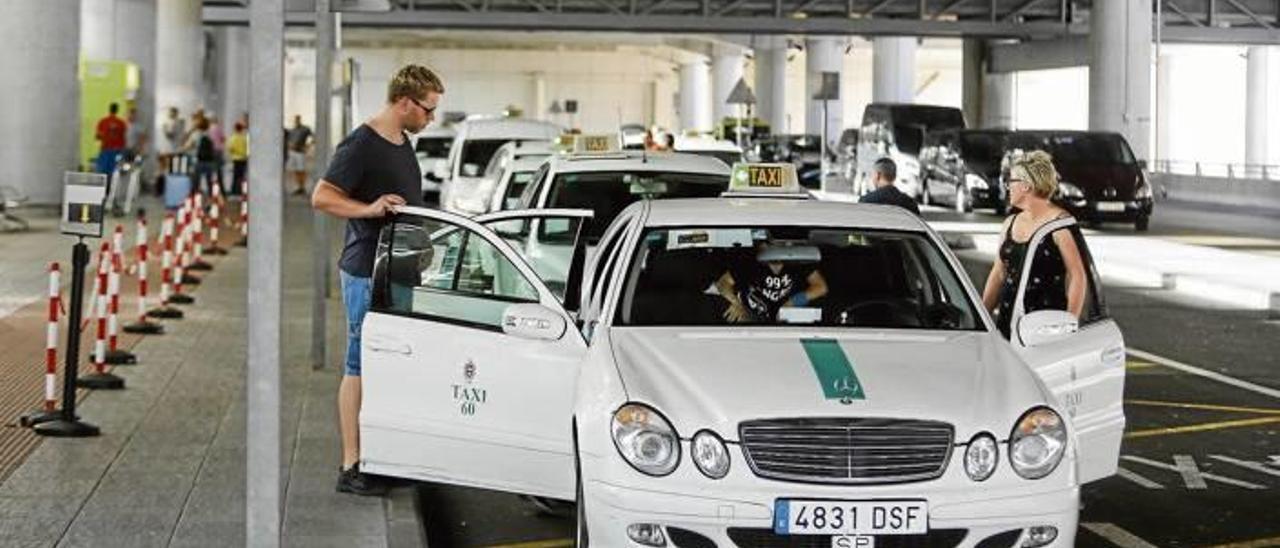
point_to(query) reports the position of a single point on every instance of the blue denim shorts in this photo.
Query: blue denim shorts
(357, 294)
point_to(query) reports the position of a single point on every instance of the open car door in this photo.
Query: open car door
(1082, 361)
(470, 361)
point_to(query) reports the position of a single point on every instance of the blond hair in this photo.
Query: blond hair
(414, 82)
(1036, 168)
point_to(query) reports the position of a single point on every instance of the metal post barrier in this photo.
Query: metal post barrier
(197, 235)
(184, 247)
(166, 311)
(143, 326)
(244, 216)
(50, 410)
(215, 223)
(100, 378)
(68, 424)
(116, 356)
(179, 252)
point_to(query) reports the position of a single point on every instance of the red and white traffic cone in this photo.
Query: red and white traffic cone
(197, 236)
(179, 263)
(116, 356)
(215, 223)
(166, 311)
(183, 252)
(143, 326)
(244, 216)
(100, 378)
(50, 410)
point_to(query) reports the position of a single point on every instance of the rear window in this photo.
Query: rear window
(1090, 149)
(481, 151)
(608, 193)
(515, 187)
(435, 147)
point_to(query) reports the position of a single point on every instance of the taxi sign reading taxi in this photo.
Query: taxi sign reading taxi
(595, 144)
(765, 179)
(83, 198)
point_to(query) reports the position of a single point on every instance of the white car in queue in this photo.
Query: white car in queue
(476, 142)
(431, 148)
(512, 182)
(478, 198)
(725, 151)
(884, 409)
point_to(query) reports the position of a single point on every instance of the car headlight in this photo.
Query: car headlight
(981, 456)
(710, 455)
(645, 439)
(1038, 442)
(1142, 189)
(973, 180)
(1070, 191)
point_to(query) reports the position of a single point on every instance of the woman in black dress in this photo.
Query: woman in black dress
(1057, 279)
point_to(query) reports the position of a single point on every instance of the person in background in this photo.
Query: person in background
(373, 170)
(1057, 280)
(200, 145)
(238, 152)
(298, 141)
(219, 138)
(174, 132)
(111, 134)
(882, 177)
(136, 138)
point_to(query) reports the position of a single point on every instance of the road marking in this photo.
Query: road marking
(1206, 427)
(1205, 406)
(1190, 473)
(1256, 543)
(1136, 478)
(1212, 375)
(1246, 464)
(557, 543)
(1137, 364)
(1117, 535)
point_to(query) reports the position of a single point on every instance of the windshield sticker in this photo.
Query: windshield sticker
(834, 370)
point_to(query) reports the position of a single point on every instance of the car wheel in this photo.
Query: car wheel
(1142, 223)
(580, 537)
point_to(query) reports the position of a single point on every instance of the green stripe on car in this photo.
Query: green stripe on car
(834, 370)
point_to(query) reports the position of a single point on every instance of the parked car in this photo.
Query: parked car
(432, 150)
(961, 168)
(722, 150)
(897, 131)
(1100, 180)
(477, 140)
(804, 151)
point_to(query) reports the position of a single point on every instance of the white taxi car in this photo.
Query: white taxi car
(476, 142)
(723, 150)
(883, 408)
(510, 184)
(431, 148)
(477, 198)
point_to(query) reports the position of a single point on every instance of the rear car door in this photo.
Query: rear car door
(470, 362)
(1085, 370)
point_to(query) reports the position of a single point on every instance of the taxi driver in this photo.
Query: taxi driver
(757, 289)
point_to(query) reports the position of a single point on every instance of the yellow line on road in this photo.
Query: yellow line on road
(1206, 407)
(1257, 543)
(558, 543)
(1201, 427)
(1137, 364)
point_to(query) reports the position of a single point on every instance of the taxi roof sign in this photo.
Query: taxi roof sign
(777, 180)
(596, 144)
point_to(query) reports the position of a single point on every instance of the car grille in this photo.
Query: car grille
(846, 450)
(766, 538)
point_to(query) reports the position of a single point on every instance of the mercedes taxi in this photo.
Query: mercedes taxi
(738, 371)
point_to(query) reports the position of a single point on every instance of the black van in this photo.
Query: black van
(960, 168)
(1100, 180)
(897, 131)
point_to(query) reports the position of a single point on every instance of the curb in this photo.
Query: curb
(405, 527)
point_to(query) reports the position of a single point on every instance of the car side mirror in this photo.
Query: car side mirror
(470, 170)
(1142, 164)
(533, 321)
(1046, 326)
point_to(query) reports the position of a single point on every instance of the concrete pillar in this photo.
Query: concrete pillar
(40, 95)
(823, 54)
(726, 70)
(771, 82)
(695, 95)
(973, 70)
(997, 100)
(1120, 72)
(1257, 108)
(1164, 92)
(180, 69)
(893, 69)
(233, 74)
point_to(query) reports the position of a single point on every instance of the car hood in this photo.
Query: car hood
(1096, 179)
(715, 378)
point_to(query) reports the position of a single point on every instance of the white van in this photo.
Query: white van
(476, 143)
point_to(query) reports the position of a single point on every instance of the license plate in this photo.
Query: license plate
(853, 541)
(834, 517)
(1111, 207)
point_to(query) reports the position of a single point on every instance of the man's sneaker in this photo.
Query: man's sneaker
(353, 481)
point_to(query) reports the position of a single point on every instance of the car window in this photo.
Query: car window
(434, 147)
(515, 188)
(608, 193)
(479, 152)
(1037, 294)
(604, 255)
(548, 244)
(443, 271)
(529, 196)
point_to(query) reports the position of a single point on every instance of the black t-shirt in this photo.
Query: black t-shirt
(366, 166)
(763, 292)
(890, 195)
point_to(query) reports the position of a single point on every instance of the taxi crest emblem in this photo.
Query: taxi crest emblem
(469, 371)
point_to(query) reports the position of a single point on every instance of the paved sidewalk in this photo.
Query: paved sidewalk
(168, 469)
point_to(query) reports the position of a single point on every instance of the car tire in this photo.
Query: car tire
(581, 538)
(1142, 223)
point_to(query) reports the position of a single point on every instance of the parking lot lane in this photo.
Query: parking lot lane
(473, 518)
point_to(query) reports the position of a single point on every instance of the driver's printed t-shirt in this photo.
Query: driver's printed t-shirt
(366, 166)
(764, 291)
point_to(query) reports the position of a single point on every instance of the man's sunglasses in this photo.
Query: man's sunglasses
(424, 108)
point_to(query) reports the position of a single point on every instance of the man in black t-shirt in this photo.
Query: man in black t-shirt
(882, 176)
(373, 170)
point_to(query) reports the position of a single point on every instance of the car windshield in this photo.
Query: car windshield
(435, 147)
(479, 152)
(928, 118)
(757, 275)
(1089, 149)
(608, 193)
(982, 147)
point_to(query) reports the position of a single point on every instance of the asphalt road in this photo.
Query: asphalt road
(1200, 464)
